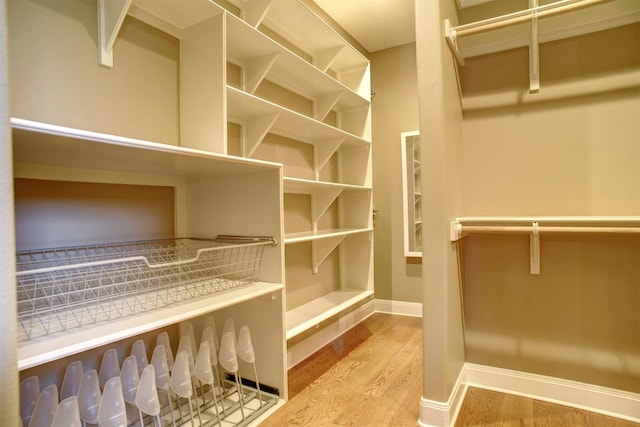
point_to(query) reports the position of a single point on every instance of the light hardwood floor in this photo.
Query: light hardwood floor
(491, 408)
(372, 377)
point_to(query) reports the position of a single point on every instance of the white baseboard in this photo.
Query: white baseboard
(611, 402)
(438, 414)
(399, 307)
(326, 335)
(603, 400)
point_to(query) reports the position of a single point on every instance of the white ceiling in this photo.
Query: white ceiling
(375, 24)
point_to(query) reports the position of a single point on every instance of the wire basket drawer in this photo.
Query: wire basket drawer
(65, 288)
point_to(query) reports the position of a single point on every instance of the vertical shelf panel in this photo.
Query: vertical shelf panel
(202, 86)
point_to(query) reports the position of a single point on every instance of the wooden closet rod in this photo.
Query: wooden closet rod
(547, 229)
(522, 16)
(567, 224)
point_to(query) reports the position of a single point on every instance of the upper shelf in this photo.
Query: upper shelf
(260, 116)
(261, 57)
(573, 18)
(45, 144)
(300, 26)
(539, 24)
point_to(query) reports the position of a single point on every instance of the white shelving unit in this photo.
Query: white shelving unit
(332, 77)
(311, 61)
(274, 71)
(209, 189)
(411, 196)
(557, 20)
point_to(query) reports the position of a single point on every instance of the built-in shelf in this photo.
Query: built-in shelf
(259, 117)
(305, 186)
(279, 72)
(54, 347)
(308, 236)
(201, 182)
(60, 146)
(538, 24)
(263, 58)
(328, 50)
(311, 314)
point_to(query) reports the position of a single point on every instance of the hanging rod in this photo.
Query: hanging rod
(520, 16)
(547, 229)
(532, 14)
(532, 225)
(554, 224)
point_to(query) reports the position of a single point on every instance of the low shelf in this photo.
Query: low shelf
(37, 352)
(314, 312)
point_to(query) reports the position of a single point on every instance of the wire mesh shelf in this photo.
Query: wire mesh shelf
(65, 288)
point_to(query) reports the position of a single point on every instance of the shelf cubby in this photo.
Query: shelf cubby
(206, 203)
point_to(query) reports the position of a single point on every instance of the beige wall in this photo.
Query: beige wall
(441, 149)
(560, 152)
(394, 110)
(55, 76)
(9, 401)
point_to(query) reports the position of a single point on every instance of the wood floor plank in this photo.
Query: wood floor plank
(372, 377)
(483, 408)
(361, 379)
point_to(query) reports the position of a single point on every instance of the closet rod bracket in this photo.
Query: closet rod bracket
(451, 36)
(534, 249)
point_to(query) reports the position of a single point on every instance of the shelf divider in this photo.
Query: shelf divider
(324, 151)
(323, 104)
(322, 248)
(256, 129)
(325, 58)
(256, 70)
(111, 14)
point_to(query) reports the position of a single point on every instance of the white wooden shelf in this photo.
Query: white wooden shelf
(275, 46)
(262, 58)
(329, 233)
(54, 347)
(311, 314)
(259, 117)
(299, 25)
(306, 186)
(60, 146)
(557, 20)
(46, 151)
(172, 16)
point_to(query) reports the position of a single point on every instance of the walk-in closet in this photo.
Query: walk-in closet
(220, 212)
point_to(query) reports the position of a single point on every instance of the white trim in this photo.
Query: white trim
(401, 308)
(433, 413)
(603, 400)
(305, 348)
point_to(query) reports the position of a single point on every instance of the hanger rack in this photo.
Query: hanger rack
(532, 14)
(534, 226)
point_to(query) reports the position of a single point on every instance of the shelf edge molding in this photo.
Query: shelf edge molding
(534, 226)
